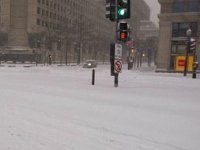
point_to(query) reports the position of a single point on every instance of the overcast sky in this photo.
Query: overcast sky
(155, 9)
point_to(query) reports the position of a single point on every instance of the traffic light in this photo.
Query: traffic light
(123, 32)
(133, 50)
(111, 9)
(192, 44)
(123, 35)
(123, 9)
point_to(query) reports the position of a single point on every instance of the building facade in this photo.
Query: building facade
(68, 30)
(148, 39)
(147, 29)
(176, 17)
(139, 11)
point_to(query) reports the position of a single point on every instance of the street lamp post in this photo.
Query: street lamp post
(36, 52)
(188, 33)
(66, 48)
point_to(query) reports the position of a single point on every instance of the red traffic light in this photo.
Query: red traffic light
(123, 35)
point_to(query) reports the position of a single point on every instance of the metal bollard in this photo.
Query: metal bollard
(195, 66)
(116, 80)
(93, 77)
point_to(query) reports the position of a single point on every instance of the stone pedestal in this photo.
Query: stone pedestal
(17, 35)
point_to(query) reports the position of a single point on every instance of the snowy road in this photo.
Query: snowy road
(57, 108)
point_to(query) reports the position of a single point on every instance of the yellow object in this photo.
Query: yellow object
(180, 63)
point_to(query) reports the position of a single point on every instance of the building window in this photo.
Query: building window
(55, 5)
(47, 2)
(194, 6)
(43, 11)
(38, 10)
(47, 13)
(51, 4)
(191, 6)
(179, 7)
(51, 14)
(179, 29)
(38, 21)
(178, 47)
(43, 23)
(46, 23)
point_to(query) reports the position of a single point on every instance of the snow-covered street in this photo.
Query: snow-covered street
(57, 108)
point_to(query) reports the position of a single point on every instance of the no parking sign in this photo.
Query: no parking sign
(118, 66)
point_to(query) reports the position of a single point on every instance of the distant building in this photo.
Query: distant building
(148, 40)
(176, 17)
(69, 30)
(147, 29)
(139, 11)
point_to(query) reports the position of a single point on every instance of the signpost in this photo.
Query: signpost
(116, 61)
(118, 58)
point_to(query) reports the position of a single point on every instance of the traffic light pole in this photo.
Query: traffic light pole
(116, 75)
(117, 10)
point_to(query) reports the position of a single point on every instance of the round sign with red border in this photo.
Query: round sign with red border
(118, 66)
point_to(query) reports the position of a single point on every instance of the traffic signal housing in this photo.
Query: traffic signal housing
(111, 10)
(192, 44)
(123, 32)
(123, 9)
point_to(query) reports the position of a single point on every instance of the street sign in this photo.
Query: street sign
(131, 42)
(118, 58)
(118, 66)
(118, 51)
(180, 63)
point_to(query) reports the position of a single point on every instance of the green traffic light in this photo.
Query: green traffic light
(121, 12)
(123, 9)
